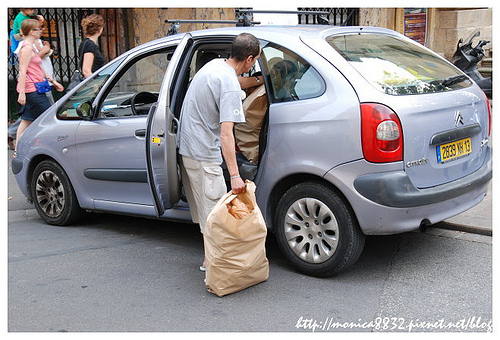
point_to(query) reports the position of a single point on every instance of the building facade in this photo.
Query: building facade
(437, 28)
(442, 27)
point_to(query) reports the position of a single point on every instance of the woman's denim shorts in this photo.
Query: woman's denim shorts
(36, 104)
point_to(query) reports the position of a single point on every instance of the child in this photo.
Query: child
(15, 36)
(24, 13)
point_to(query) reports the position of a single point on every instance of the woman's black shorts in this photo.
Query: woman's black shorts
(36, 104)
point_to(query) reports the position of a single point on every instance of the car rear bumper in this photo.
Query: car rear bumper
(388, 203)
(395, 189)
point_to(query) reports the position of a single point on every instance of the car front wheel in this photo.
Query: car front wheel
(316, 230)
(53, 195)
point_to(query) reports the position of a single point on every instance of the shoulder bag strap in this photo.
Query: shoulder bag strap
(33, 49)
(80, 55)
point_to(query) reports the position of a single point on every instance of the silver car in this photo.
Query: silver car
(364, 132)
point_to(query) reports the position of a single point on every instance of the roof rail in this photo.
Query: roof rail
(239, 10)
(321, 20)
(243, 18)
(175, 24)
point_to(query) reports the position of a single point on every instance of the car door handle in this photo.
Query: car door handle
(140, 133)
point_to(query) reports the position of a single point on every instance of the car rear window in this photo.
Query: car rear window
(398, 67)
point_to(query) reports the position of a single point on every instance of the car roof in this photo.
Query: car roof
(268, 31)
(272, 32)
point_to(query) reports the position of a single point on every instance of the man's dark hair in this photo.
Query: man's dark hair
(244, 45)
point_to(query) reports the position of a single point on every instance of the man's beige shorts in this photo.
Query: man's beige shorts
(204, 185)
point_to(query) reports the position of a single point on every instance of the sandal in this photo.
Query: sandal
(10, 142)
(203, 267)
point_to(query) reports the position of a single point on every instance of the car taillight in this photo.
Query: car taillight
(489, 113)
(381, 134)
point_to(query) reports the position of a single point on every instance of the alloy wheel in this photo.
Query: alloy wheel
(311, 230)
(50, 193)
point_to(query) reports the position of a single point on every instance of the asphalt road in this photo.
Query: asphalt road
(123, 274)
(114, 273)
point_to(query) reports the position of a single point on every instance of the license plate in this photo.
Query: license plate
(454, 150)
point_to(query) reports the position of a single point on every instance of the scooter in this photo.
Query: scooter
(467, 57)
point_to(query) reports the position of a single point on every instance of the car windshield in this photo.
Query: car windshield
(87, 92)
(397, 67)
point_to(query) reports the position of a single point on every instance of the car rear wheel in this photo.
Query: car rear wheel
(316, 230)
(53, 195)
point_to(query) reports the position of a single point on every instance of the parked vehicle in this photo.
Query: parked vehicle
(467, 57)
(375, 135)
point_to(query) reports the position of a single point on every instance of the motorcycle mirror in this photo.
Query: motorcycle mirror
(474, 34)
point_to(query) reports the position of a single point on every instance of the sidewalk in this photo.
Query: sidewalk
(477, 220)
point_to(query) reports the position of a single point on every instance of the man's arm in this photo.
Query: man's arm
(229, 152)
(45, 50)
(246, 82)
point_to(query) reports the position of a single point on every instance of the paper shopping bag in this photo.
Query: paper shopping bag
(247, 133)
(234, 239)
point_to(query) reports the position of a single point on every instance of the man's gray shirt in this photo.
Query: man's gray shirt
(213, 97)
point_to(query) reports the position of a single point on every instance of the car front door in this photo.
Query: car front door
(161, 144)
(111, 146)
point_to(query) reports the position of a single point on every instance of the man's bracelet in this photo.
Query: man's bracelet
(233, 177)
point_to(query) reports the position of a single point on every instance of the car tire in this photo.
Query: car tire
(53, 195)
(317, 231)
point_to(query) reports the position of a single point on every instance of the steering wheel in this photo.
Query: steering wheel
(142, 98)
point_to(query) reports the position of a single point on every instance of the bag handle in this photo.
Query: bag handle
(229, 198)
(250, 187)
(44, 78)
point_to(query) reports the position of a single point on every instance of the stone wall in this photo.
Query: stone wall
(378, 17)
(149, 23)
(452, 24)
(445, 26)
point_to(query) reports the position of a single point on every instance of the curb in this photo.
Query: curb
(28, 214)
(464, 228)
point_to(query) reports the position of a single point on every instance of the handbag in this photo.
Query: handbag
(42, 86)
(77, 77)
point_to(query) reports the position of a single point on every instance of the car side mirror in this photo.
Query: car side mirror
(84, 110)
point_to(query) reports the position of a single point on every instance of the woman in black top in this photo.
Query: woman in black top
(92, 57)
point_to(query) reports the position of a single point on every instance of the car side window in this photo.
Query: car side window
(137, 87)
(290, 76)
(87, 92)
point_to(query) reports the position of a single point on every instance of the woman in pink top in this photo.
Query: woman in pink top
(31, 72)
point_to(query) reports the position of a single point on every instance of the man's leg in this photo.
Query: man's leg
(206, 186)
